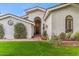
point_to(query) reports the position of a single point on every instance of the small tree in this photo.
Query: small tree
(20, 31)
(1, 32)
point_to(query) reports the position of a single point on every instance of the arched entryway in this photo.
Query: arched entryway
(37, 27)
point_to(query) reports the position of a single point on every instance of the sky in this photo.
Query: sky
(18, 8)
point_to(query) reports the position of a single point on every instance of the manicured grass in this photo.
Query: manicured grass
(35, 49)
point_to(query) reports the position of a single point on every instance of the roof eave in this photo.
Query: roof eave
(11, 15)
(52, 9)
(35, 8)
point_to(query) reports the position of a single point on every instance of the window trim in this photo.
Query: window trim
(66, 21)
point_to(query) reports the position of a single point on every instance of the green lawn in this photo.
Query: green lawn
(35, 49)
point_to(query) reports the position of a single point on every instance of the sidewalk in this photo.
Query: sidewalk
(32, 39)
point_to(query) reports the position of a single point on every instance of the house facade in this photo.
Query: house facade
(63, 18)
(54, 20)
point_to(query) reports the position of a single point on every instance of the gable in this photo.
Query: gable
(31, 10)
(16, 18)
(37, 10)
(65, 10)
(58, 8)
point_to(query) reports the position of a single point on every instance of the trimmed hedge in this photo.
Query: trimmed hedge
(1, 32)
(62, 35)
(20, 31)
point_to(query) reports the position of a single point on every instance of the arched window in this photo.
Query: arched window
(69, 23)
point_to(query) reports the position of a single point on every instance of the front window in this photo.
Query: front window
(69, 23)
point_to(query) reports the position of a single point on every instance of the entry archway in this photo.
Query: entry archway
(37, 27)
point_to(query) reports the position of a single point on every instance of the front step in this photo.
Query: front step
(37, 38)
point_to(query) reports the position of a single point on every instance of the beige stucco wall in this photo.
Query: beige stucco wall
(32, 15)
(9, 30)
(48, 25)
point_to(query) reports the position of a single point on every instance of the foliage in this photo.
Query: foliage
(45, 36)
(68, 35)
(1, 32)
(75, 36)
(55, 41)
(62, 36)
(20, 31)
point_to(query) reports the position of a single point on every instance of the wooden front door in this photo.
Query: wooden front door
(37, 26)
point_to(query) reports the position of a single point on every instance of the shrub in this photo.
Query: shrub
(55, 41)
(62, 36)
(75, 36)
(45, 36)
(68, 35)
(1, 32)
(20, 31)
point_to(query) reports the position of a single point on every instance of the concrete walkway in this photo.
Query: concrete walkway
(65, 43)
(32, 39)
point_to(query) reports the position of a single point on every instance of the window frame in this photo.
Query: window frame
(68, 18)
